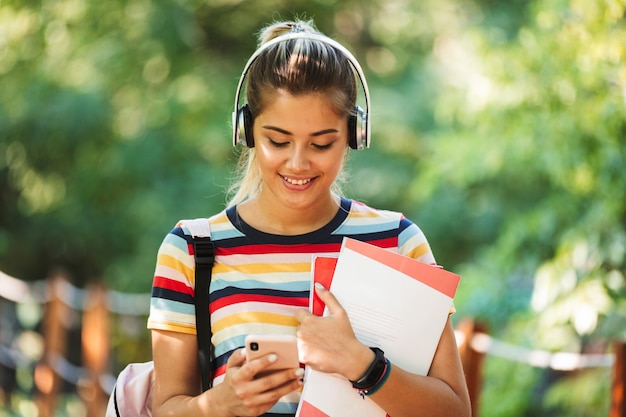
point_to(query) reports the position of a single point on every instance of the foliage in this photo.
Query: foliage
(497, 126)
(535, 136)
(508, 388)
(573, 398)
(529, 162)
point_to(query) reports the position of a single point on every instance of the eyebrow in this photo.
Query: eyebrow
(286, 132)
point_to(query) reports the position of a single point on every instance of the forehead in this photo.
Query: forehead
(308, 103)
(333, 99)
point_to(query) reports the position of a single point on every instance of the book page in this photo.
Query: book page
(393, 302)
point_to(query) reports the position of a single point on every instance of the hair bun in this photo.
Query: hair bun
(282, 28)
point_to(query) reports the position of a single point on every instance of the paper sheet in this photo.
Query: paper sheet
(394, 302)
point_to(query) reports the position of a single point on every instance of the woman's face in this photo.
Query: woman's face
(300, 143)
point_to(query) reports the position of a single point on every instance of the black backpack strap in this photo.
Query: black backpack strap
(205, 257)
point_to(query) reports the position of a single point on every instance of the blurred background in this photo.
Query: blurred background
(499, 127)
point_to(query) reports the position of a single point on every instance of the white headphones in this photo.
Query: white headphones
(358, 123)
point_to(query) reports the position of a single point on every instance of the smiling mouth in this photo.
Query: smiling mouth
(297, 182)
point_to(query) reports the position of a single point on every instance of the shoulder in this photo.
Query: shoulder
(362, 211)
(411, 240)
(365, 214)
(200, 226)
(180, 236)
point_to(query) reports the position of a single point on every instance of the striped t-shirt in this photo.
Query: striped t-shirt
(260, 279)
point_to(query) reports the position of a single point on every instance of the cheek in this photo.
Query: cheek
(265, 157)
(334, 164)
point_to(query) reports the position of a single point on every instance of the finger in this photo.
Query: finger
(238, 358)
(269, 389)
(252, 368)
(329, 299)
(279, 378)
(302, 314)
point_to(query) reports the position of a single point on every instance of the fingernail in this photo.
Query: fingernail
(272, 358)
(319, 286)
(299, 372)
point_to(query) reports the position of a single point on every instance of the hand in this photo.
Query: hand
(241, 394)
(328, 344)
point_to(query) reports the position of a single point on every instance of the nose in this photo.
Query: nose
(298, 159)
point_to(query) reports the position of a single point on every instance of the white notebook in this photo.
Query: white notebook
(394, 302)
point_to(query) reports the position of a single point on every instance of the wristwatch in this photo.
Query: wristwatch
(374, 372)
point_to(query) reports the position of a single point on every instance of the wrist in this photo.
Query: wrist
(373, 373)
(360, 360)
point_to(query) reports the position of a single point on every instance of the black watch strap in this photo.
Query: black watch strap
(373, 373)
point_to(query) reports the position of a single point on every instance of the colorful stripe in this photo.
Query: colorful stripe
(259, 279)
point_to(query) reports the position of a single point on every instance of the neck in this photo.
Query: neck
(288, 221)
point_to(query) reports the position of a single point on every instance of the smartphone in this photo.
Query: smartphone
(283, 346)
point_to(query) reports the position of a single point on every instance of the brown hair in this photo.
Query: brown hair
(297, 66)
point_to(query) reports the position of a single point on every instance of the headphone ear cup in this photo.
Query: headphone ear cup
(245, 126)
(352, 134)
(357, 129)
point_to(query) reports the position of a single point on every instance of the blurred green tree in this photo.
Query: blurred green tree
(114, 122)
(527, 163)
(497, 126)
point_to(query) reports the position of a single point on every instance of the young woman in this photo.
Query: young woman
(297, 127)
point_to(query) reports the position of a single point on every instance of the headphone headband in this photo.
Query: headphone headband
(363, 142)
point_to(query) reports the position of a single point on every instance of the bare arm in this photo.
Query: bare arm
(329, 344)
(177, 387)
(442, 393)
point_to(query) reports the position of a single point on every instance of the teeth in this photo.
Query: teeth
(297, 182)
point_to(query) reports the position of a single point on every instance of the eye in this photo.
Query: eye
(323, 147)
(278, 144)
